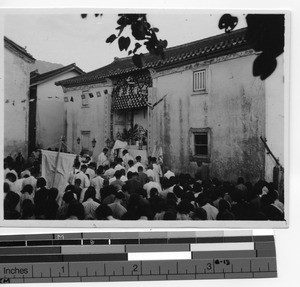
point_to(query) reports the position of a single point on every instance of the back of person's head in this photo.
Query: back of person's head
(11, 200)
(119, 160)
(118, 174)
(125, 151)
(27, 188)
(89, 193)
(171, 196)
(153, 192)
(184, 207)
(100, 170)
(240, 180)
(41, 182)
(11, 177)
(142, 192)
(77, 182)
(178, 191)
(223, 205)
(130, 163)
(103, 211)
(199, 214)
(138, 158)
(140, 169)
(76, 164)
(27, 209)
(201, 199)
(68, 197)
(53, 193)
(70, 187)
(135, 175)
(153, 159)
(83, 168)
(105, 150)
(120, 195)
(129, 174)
(113, 164)
(75, 208)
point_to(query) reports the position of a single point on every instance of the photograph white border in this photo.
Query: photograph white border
(160, 224)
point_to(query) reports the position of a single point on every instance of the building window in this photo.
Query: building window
(85, 100)
(200, 143)
(85, 141)
(199, 81)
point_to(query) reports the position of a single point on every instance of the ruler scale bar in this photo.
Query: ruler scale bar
(136, 256)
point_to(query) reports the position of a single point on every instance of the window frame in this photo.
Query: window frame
(206, 71)
(193, 155)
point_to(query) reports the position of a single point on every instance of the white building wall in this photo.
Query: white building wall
(94, 119)
(50, 112)
(16, 96)
(275, 118)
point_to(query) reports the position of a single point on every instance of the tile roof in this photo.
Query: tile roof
(36, 78)
(8, 43)
(175, 56)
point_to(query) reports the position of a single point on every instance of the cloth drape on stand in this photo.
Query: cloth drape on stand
(64, 168)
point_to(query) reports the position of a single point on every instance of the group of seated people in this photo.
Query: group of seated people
(133, 191)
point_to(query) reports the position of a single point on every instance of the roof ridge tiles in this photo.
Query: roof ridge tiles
(173, 55)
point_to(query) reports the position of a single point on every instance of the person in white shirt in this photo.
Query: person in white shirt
(119, 164)
(157, 170)
(126, 158)
(85, 182)
(102, 158)
(152, 184)
(131, 167)
(138, 162)
(109, 173)
(90, 203)
(97, 182)
(169, 173)
(90, 171)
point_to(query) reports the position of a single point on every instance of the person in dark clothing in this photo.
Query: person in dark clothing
(10, 202)
(51, 204)
(40, 198)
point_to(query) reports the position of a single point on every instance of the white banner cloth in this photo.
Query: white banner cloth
(64, 168)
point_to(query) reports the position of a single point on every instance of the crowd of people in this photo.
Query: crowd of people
(128, 189)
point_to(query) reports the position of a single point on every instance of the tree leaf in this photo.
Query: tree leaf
(137, 46)
(138, 60)
(124, 43)
(155, 30)
(111, 38)
(264, 65)
(228, 22)
(163, 43)
(83, 16)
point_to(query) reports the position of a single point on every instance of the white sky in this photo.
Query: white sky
(67, 38)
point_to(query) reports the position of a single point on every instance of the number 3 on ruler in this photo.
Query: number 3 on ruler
(208, 266)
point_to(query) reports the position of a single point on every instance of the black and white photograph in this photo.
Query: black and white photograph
(116, 118)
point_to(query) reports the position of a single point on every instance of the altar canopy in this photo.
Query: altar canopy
(56, 168)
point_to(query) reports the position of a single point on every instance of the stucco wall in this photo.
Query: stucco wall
(50, 112)
(233, 109)
(275, 105)
(16, 91)
(95, 118)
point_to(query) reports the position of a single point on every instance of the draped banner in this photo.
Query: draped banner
(64, 168)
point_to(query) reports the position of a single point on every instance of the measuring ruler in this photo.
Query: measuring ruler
(134, 256)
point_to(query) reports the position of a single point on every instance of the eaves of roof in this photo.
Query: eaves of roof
(11, 45)
(36, 78)
(175, 56)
